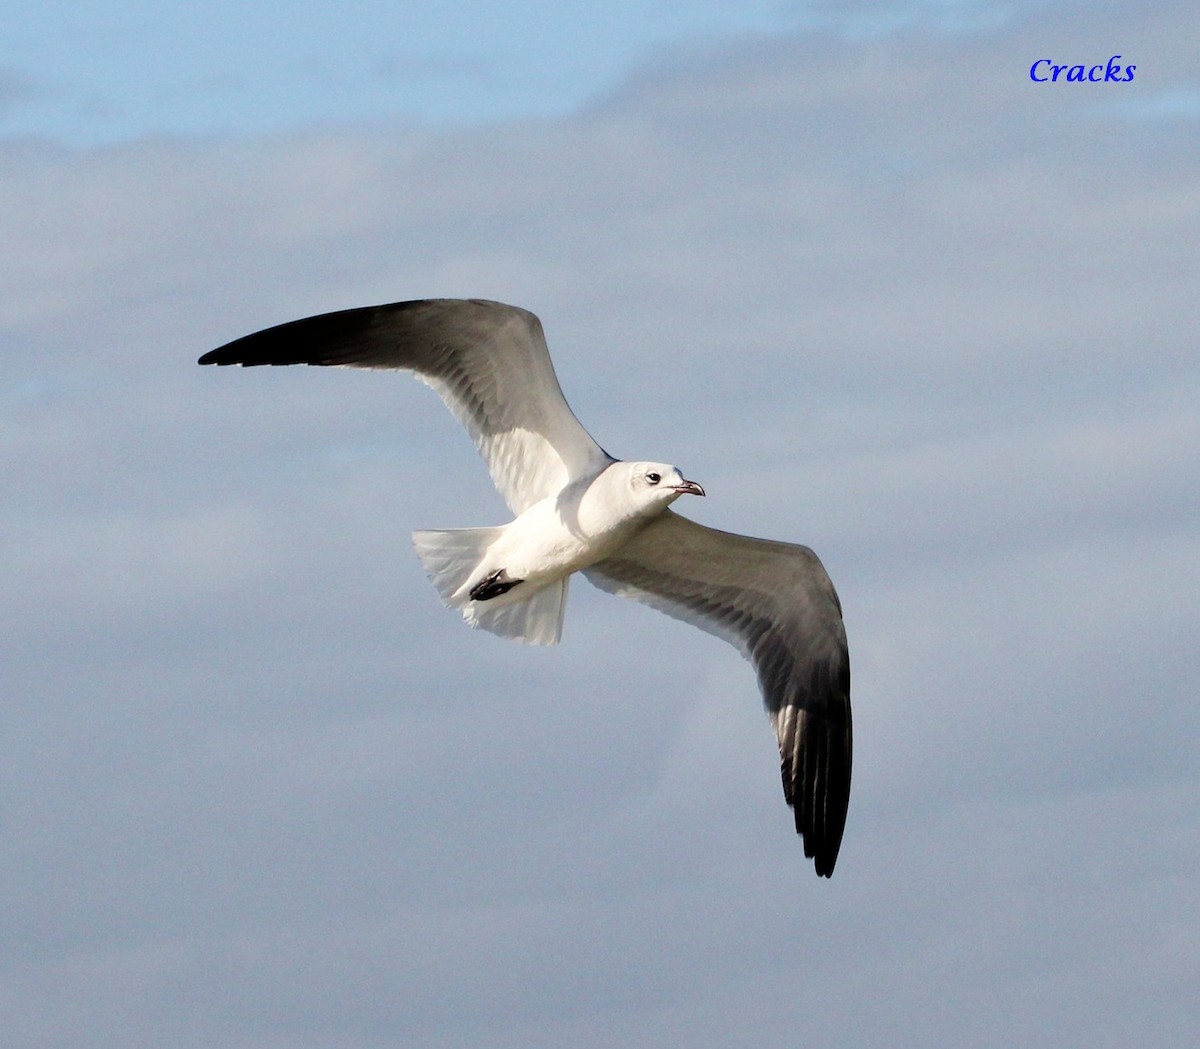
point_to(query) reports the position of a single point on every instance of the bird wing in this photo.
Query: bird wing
(487, 361)
(774, 602)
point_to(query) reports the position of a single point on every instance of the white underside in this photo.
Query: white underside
(457, 559)
(582, 524)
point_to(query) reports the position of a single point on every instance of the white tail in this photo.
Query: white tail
(454, 561)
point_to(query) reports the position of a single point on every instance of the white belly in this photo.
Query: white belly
(551, 540)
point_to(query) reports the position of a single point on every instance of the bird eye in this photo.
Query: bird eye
(653, 478)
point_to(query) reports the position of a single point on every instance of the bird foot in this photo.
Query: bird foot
(494, 585)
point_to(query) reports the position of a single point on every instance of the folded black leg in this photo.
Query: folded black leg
(497, 583)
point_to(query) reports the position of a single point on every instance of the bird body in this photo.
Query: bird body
(577, 509)
(586, 521)
(557, 536)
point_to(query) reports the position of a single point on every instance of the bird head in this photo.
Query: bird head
(659, 484)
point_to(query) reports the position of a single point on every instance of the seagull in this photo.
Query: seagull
(578, 509)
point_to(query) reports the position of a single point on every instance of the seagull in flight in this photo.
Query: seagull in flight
(577, 509)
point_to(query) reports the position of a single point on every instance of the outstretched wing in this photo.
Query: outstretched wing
(774, 602)
(488, 362)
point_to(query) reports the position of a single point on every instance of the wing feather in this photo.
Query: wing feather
(774, 602)
(487, 361)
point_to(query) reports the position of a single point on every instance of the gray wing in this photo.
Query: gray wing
(487, 361)
(774, 602)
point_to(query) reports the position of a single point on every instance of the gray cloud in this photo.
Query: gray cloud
(887, 297)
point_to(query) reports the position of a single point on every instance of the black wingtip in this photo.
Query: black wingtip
(326, 339)
(247, 351)
(819, 790)
(365, 336)
(821, 846)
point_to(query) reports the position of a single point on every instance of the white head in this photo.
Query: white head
(658, 485)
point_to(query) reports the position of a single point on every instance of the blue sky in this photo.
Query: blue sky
(93, 73)
(89, 74)
(851, 270)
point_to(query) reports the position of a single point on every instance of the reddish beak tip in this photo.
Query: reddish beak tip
(689, 488)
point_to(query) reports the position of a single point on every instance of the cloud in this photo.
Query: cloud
(884, 296)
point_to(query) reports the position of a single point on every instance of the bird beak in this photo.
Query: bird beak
(689, 488)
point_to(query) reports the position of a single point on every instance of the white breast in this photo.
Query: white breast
(574, 529)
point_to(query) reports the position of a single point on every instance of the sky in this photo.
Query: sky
(95, 74)
(851, 269)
